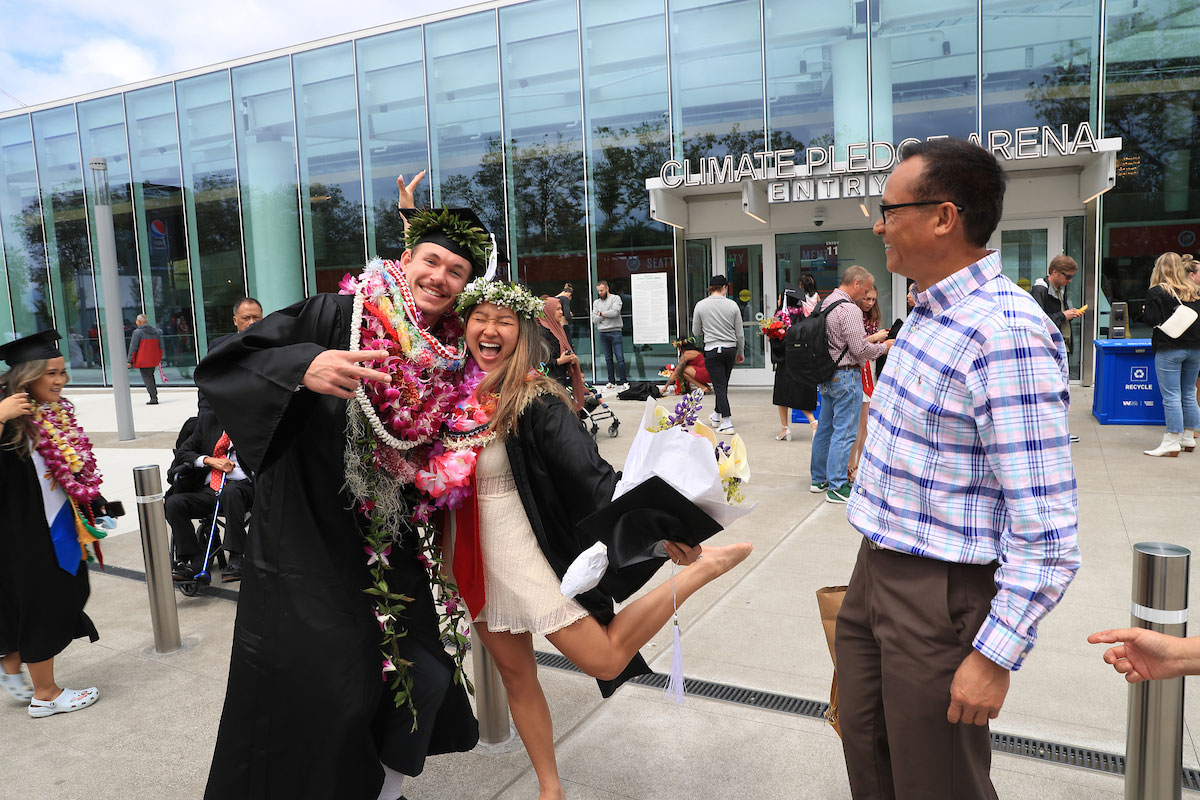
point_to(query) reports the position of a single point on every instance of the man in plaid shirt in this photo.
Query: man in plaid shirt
(965, 495)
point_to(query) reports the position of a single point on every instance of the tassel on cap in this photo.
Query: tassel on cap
(674, 688)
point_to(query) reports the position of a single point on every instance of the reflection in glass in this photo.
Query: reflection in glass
(102, 135)
(213, 221)
(7, 332)
(716, 51)
(699, 266)
(1150, 102)
(816, 75)
(1023, 255)
(923, 70)
(825, 255)
(162, 243)
(1039, 63)
(625, 107)
(464, 117)
(391, 85)
(266, 148)
(73, 287)
(331, 186)
(744, 268)
(20, 221)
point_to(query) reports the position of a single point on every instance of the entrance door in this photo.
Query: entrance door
(749, 263)
(1026, 247)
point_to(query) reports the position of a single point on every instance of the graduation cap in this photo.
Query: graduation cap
(31, 348)
(633, 525)
(459, 230)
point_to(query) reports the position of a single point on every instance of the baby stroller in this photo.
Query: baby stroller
(596, 411)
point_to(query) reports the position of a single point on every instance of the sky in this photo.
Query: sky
(54, 49)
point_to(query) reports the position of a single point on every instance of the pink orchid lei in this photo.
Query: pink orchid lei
(395, 468)
(67, 451)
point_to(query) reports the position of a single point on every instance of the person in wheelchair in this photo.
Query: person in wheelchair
(201, 460)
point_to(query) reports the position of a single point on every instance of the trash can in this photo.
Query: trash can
(1126, 385)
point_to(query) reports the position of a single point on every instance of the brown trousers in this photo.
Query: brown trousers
(905, 626)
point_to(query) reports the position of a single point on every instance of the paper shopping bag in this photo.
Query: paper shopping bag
(829, 601)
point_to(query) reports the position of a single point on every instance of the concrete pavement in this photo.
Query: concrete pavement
(151, 733)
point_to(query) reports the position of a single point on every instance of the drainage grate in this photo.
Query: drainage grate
(1037, 749)
(138, 575)
(1051, 752)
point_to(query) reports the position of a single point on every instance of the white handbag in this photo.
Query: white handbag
(1180, 320)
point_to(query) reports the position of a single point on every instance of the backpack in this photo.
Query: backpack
(640, 390)
(806, 355)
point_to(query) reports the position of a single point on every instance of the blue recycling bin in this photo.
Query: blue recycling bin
(1126, 387)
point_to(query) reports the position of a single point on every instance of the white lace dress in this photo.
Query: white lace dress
(522, 590)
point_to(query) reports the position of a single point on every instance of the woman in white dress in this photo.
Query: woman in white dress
(537, 474)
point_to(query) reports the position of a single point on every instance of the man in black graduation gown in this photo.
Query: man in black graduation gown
(306, 713)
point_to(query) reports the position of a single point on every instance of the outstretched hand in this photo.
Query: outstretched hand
(1145, 655)
(408, 191)
(336, 372)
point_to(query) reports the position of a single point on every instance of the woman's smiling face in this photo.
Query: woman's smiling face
(492, 333)
(47, 388)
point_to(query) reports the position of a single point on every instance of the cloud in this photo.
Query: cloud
(63, 48)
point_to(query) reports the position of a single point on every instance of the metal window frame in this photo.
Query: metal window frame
(237, 177)
(37, 177)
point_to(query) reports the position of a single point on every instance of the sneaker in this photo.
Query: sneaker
(69, 700)
(609, 386)
(187, 570)
(840, 496)
(622, 386)
(715, 418)
(18, 686)
(726, 427)
(817, 488)
(1073, 438)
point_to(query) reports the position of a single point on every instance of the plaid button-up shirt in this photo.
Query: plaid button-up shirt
(967, 457)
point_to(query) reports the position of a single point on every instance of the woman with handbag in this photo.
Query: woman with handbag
(1173, 308)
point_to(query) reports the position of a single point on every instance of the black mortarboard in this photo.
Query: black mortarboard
(437, 232)
(632, 525)
(31, 348)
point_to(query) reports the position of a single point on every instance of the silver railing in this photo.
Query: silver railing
(1154, 743)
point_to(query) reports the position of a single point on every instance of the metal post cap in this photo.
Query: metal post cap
(1161, 549)
(97, 163)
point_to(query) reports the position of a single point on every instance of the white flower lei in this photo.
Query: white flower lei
(512, 295)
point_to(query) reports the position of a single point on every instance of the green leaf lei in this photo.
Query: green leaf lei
(456, 229)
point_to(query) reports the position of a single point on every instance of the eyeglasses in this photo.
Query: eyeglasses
(884, 208)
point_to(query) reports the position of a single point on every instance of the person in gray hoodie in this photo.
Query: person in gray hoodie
(606, 313)
(145, 353)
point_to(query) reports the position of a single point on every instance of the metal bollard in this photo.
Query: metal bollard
(491, 698)
(164, 617)
(1154, 743)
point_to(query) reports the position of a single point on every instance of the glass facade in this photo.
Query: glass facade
(275, 176)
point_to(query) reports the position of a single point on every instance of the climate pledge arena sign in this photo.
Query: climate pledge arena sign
(821, 176)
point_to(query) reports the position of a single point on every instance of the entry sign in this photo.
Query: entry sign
(649, 295)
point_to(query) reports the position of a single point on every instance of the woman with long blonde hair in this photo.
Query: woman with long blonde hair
(46, 465)
(537, 474)
(1176, 358)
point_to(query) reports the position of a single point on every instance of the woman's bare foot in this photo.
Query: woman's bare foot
(722, 559)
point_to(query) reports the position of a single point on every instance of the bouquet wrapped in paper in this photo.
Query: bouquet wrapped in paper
(680, 484)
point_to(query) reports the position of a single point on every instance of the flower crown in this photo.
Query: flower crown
(453, 227)
(510, 295)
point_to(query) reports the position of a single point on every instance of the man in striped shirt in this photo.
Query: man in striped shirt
(965, 496)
